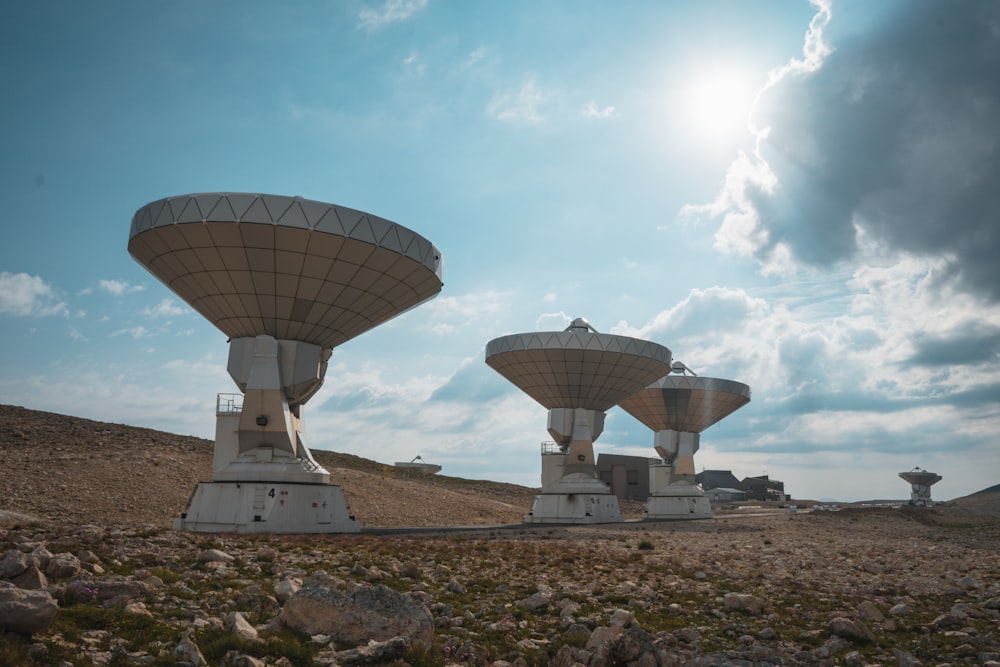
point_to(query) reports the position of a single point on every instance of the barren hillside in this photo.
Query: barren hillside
(82, 471)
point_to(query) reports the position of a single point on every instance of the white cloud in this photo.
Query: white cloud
(520, 106)
(118, 287)
(166, 308)
(413, 64)
(552, 321)
(591, 110)
(134, 332)
(28, 296)
(391, 11)
(476, 56)
(449, 314)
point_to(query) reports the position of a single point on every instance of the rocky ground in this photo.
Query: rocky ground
(101, 585)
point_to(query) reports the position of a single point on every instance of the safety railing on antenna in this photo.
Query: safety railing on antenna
(228, 404)
(551, 447)
(307, 463)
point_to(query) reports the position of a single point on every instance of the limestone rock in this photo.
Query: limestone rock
(237, 625)
(25, 612)
(849, 629)
(31, 579)
(63, 566)
(14, 563)
(953, 619)
(358, 615)
(188, 653)
(214, 556)
(867, 611)
(41, 556)
(285, 589)
(535, 602)
(742, 602)
(113, 589)
(410, 569)
(373, 652)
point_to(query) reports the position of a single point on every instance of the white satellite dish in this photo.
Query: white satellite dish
(286, 279)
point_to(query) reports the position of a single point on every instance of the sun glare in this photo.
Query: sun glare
(714, 103)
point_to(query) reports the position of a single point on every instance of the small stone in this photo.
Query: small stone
(622, 618)
(535, 602)
(904, 659)
(867, 611)
(138, 609)
(742, 602)
(952, 619)
(63, 566)
(852, 630)
(237, 625)
(410, 569)
(214, 556)
(901, 609)
(187, 651)
(267, 554)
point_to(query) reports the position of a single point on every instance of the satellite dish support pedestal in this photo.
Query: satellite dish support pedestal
(571, 490)
(673, 493)
(264, 477)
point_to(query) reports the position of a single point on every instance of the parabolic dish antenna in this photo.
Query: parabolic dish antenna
(678, 408)
(286, 279)
(577, 374)
(686, 403)
(921, 482)
(287, 267)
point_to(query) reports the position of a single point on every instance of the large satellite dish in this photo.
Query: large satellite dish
(288, 267)
(678, 407)
(685, 403)
(286, 279)
(577, 374)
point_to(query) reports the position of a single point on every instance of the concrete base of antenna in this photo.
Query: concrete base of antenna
(265, 479)
(236, 507)
(575, 499)
(571, 490)
(674, 495)
(679, 500)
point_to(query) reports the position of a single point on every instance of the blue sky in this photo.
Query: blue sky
(797, 196)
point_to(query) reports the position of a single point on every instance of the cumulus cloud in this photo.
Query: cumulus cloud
(391, 11)
(890, 134)
(118, 287)
(518, 106)
(901, 362)
(28, 296)
(134, 332)
(448, 314)
(591, 110)
(552, 321)
(167, 307)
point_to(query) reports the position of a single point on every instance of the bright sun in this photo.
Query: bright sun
(714, 103)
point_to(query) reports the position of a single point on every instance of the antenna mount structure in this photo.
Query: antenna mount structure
(577, 374)
(286, 279)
